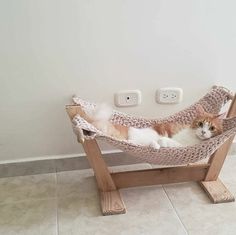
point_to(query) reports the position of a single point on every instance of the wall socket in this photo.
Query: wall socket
(127, 98)
(169, 95)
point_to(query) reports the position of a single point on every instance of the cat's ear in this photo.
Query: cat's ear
(221, 115)
(200, 110)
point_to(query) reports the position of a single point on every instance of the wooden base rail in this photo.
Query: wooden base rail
(160, 176)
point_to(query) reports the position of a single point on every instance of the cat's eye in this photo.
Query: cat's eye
(212, 128)
(200, 124)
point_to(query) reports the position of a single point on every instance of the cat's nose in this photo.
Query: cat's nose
(203, 132)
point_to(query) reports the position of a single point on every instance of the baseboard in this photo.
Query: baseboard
(60, 163)
(52, 157)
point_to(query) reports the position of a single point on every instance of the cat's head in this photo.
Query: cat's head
(207, 125)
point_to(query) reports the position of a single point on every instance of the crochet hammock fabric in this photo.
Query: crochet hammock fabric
(212, 102)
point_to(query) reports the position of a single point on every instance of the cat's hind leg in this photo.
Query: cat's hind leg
(152, 144)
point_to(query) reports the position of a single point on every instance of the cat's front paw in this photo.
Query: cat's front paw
(163, 142)
(154, 145)
(167, 142)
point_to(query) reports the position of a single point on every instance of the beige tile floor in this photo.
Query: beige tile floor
(67, 203)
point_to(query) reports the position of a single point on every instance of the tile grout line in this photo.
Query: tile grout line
(57, 224)
(27, 200)
(177, 214)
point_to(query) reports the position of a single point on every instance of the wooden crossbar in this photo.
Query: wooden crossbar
(160, 176)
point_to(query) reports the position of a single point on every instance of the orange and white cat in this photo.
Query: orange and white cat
(204, 126)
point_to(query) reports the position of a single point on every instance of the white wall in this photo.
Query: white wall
(51, 49)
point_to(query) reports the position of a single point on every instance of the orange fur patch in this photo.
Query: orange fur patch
(168, 129)
(122, 131)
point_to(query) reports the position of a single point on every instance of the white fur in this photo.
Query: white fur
(186, 137)
(101, 116)
(102, 112)
(168, 142)
(144, 137)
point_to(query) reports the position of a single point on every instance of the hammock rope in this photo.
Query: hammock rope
(212, 102)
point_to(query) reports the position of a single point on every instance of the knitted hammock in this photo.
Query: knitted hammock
(212, 102)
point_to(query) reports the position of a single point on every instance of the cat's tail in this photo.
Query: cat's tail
(102, 112)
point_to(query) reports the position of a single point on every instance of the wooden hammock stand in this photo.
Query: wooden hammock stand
(109, 183)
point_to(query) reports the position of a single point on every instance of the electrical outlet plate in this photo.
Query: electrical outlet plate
(169, 95)
(127, 98)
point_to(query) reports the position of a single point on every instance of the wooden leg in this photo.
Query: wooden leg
(217, 160)
(111, 201)
(217, 191)
(211, 184)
